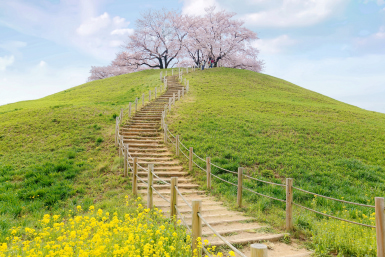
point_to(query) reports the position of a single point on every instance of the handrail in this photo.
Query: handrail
(331, 198)
(156, 191)
(184, 199)
(221, 237)
(334, 217)
(267, 182)
(181, 216)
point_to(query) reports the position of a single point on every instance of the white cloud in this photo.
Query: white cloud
(6, 61)
(42, 64)
(293, 13)
(197, 7)
(274, 45)
(68, 23)
(373, 43)
(122, 32)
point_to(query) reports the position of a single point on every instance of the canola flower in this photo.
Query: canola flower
(97, 233)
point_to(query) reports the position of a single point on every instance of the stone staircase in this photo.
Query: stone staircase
(143, 135)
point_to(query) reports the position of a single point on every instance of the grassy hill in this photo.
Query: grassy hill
(278, 130)
(58, 152)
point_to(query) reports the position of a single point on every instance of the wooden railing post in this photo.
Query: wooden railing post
(134, 177)
(182, 91)
(258, 250)
(169, 103)
(208, 172)
(174, 199)
(155, 92)
(129, 110)
(125, 173)
(177, 145)
(116, 132)
(240, 185)
(173, 98)
(136, 104)
(120, 147)
(150, 184)
(196, 227)
(165, 133)
(289, 204)
(178, 95)
(190, 159)
(380, 226)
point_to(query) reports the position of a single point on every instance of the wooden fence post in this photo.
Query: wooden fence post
(258, 250)
(190, 159)
(155, 91)
(196, 227)
(289, 204)
(178, 95)
(182, 91)
(177, 145)
(120, 147)
(134, 177)
(174, 199)
(169, 103)
(208, 172)
(136, 104)
(239, 193)
(150, 183)
(165, 133)
(125, 173)
(380, 226)
(173, 98)
(129, 110)
(116, 132)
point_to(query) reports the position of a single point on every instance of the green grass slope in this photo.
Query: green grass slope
(58, 151)
(279, 130)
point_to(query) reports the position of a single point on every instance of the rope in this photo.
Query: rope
(330, 216)
(183, 146)
(224, 180)
(267, 182)
(181, 216)
(330, 198)
(153, 173)
(199, 166)
(142, 167)
(221, 237)
(171, 133)
(252, 191)
(184, 154)
(224, 169)
(142, 180)
(184, 199)
(199, 157)
(156, 191)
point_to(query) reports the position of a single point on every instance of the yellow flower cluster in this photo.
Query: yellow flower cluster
(144, 233)
(97, 233)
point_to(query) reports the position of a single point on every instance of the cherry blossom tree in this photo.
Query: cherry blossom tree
(218, 36)
(164, 39)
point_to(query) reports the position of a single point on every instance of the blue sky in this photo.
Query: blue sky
(334, 47)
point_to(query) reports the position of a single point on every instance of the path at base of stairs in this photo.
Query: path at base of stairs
(144, 138)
